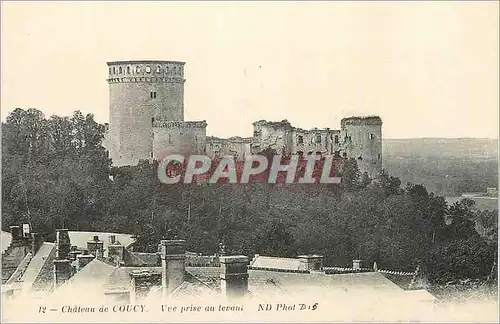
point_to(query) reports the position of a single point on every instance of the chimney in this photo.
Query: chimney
(311, 262)
(96, 247)
(357, 264)
(112, 239)
(17, 234)
(36, 242)
(173, 258)
(63, 244)
(62, 272)
(82, 260)
(234, 275)
(115, 252)
(141, 283)
(73, 254)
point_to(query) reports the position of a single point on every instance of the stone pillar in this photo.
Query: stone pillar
(83, 260)
(17, 234)
(62, 272)
(311, 262)
(357, 264)
(234, 275)
(63, 244)
(36, 242)
(173, 258)
(96, 247)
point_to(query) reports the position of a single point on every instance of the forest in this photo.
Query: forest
(56, 174)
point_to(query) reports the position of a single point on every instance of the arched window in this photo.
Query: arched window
(109, 70)
(158, 69)
(175, 70)
(128, 69)
(120, 70)
(166, 70)
(336, 139)
(114, 70)
(137, 69)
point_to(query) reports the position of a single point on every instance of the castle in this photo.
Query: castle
(146, 122)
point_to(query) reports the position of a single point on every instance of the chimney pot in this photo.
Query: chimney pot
(112, 239)
(96, 238)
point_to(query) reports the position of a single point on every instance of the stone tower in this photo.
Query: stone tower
(362, 140)
(140, 93)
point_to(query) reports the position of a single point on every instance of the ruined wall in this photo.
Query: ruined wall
(315, 140)
(139, 93)
(362, 140)
(236, 146)
(175, 137)
(273, 135)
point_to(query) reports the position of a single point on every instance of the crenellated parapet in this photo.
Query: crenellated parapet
(179, 124)
(356, 121)
(151, 68)
(170, 79)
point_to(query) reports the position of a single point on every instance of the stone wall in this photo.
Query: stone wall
(236, 146)
(174, 137)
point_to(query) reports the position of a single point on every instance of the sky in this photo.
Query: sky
(428, 69)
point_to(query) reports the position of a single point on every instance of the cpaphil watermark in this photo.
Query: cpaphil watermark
(255, 168)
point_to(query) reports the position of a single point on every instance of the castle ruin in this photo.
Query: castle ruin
(146, 122)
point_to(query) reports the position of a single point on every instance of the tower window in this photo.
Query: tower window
(300, 139)
(120, 70)
(318, 138)
(166, 70)
(152, 95)
(114, 70)
(336, 139)
(148, 69)
(158, 69)
(372, 136)
(109, 70)
(175, 70)
(128, 69)
(138, 69)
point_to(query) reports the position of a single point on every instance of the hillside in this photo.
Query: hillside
(447, 167)
(465, 148)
